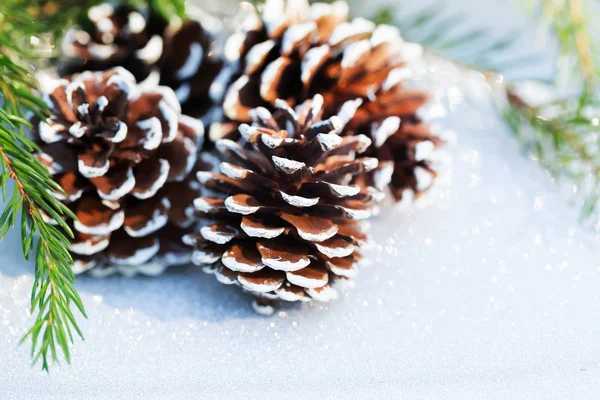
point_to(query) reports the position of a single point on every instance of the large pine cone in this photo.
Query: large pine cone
(293, 51)
(123, 156)
(178, 55)
(287, 223)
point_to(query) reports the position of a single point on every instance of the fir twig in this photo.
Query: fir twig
(53, 290)
(562, 133)
(562, 137)
(31, 203)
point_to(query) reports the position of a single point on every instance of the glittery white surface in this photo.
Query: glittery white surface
(489, 289)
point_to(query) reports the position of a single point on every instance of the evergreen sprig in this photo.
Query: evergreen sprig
(561, 135)
(31, 202)
(23, 23)
(562, 131)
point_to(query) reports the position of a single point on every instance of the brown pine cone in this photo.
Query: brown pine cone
(179, 55)
(123, 156)
(189, 66)
(286, 224)
(293, 51)
(111, 37)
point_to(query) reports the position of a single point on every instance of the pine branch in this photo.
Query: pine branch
(53, 290)
(561, 135)
(31, 203)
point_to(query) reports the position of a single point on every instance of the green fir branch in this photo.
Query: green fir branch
(31, 200)
(562, 134)
(30, 204)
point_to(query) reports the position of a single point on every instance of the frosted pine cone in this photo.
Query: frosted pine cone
(286, 224)
(293, 51)
(189, 66)
(123, 156)
(111, 37)
(179, 55)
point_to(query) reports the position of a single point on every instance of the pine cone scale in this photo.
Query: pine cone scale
(116, 183)
(88, 245)
(263, 281)
(256, 227)
(150, 175)
(283, 256)
(308, 278)
(94, 217)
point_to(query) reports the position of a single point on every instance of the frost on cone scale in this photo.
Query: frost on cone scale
(124, 157)
(177, 54)
(293, 51)
(284, 222)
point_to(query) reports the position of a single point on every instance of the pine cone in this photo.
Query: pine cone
(293, 51)
(286, 225)
(189, 66)
(179, 56)
(111, 37)
(123, 156)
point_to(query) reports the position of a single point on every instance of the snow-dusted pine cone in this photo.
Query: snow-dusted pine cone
(114, 36)
(123, 156)
(286, 221)
(189, 66)
(294, 50)
(179, 55)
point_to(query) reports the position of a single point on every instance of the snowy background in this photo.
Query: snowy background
(488, 289)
